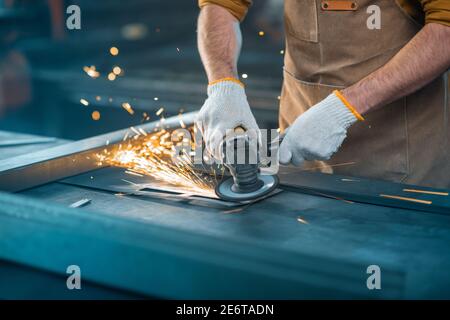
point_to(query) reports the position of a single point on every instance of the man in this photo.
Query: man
(372, 72)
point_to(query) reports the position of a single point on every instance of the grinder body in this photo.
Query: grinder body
(242, 160)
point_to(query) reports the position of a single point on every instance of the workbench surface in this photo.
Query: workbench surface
(304, 245)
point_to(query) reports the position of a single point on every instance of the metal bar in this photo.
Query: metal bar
(19, 142)
(30, 170)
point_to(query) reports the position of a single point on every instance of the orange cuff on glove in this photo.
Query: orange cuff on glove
(348, 105)
(227, 79)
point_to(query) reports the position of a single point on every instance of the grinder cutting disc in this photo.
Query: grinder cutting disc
(226, 189)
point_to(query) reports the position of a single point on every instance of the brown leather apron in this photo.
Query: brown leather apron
(405, 141)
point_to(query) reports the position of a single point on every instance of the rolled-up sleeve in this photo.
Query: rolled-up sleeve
(436, 11)
(237, 8)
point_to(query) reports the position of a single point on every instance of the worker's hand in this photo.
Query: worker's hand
(225, 109)
(319, 132)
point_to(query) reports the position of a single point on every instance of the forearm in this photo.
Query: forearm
(219, 42)
(425, 57)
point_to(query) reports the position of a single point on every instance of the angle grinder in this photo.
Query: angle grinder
(246, 182)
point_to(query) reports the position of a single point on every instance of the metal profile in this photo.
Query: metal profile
(33, 169)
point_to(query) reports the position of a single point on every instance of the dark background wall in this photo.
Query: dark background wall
(41, 63)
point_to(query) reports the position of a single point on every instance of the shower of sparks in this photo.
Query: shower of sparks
(145, 116)
(405, 199)
(111, 76)
(135, 131)
(142, 131)
(159, 111)
(330, 165)
(128, 107)
(154, 156)
(180, 118)
(91, 71)
(117, 70)
(114, 51)
(95, 115)
(134, 173)
(436, 193)
(301, 220)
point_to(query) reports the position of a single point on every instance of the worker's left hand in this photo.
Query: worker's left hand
(319, 132)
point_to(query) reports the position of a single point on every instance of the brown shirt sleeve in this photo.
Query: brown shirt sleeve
(237, 8)
(437, 11)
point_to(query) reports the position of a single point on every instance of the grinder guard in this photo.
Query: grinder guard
(243, 161)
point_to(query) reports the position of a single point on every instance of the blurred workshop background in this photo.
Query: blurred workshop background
(72, 84)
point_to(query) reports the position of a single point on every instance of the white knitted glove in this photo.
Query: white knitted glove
(318, 133)
(225, 109)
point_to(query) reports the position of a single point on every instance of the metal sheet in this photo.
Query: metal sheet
(376, 192)
(116, 180)
(21, 142)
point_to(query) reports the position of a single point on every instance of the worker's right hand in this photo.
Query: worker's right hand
(225, 109)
